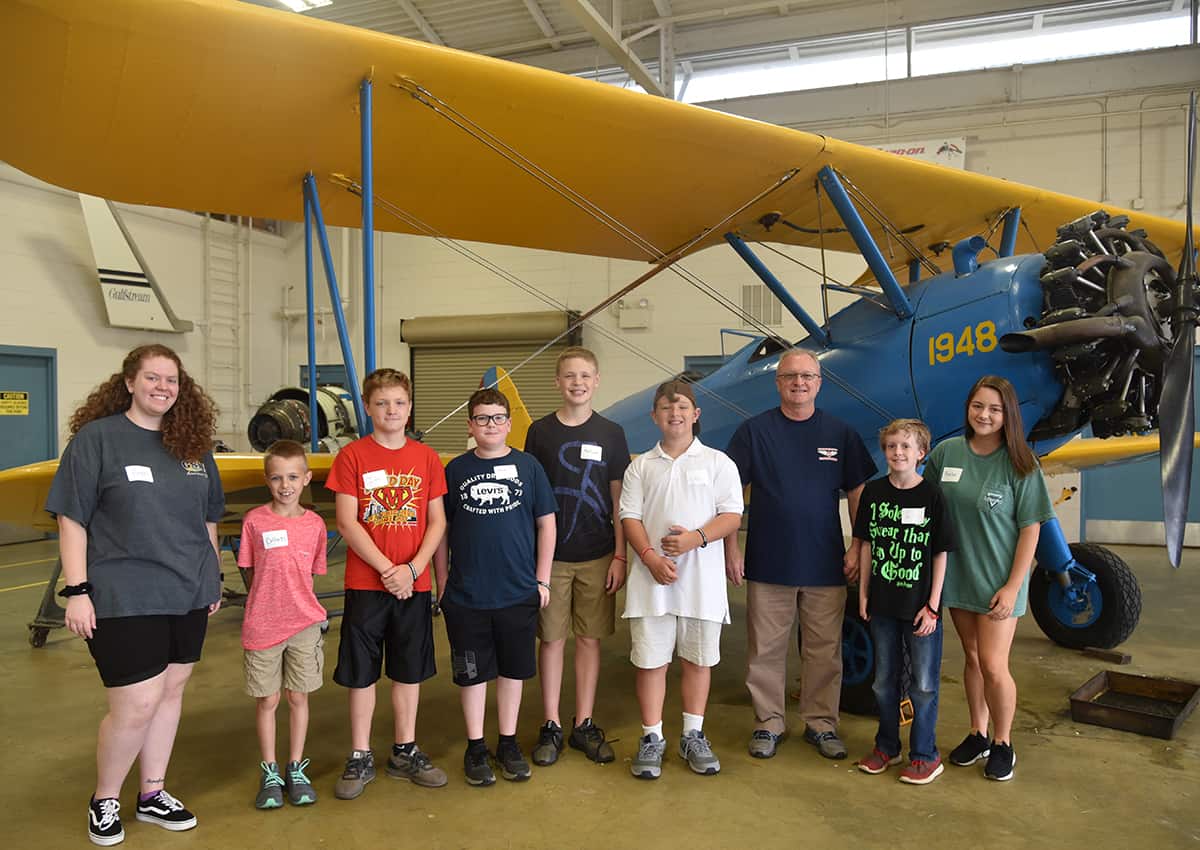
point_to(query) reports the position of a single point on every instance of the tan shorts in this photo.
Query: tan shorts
(579, 603)
(295, 664)
(653, 640)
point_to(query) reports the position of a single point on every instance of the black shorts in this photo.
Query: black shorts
(485, 643)
(377, 625)
(128, 650)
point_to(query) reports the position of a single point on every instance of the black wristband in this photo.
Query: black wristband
(412, 570)
(81, 589)
(703, 537)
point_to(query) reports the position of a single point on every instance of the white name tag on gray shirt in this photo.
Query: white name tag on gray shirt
(952, 473)
(139, 473)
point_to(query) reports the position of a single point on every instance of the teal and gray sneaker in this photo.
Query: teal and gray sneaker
(695, 749)
(299, 790)
(647, 764)
(270, 792)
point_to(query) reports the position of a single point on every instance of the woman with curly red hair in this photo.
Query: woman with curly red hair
(137, 497)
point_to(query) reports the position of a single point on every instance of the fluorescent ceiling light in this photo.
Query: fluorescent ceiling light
(305, 5)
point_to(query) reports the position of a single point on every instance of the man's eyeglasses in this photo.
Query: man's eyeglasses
(484, 418)
(807, 377)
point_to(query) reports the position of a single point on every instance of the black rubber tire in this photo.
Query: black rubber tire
(858, 695)
(1119, 591)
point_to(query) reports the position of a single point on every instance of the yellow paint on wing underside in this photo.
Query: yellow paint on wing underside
(1085, 453)
(222, 106)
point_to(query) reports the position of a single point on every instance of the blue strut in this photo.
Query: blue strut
(311, 327)
(865, 242)
(773, 283)
(368, 228)
(313, 200)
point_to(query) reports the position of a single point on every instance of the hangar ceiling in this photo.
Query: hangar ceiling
(580, 36)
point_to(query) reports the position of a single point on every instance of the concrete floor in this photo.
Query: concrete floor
(1076, 785)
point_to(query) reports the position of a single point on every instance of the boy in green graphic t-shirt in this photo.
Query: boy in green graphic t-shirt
(902, 517)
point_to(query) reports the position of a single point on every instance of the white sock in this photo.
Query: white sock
(656, 729)
(692, 722)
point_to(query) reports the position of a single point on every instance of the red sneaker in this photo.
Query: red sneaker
(922, 772)
(877, 762)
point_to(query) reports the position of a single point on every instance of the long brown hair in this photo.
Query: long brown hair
(187, 428)
(1013, 429)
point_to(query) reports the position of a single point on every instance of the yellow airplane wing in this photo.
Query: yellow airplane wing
(224, 106)
(1085, 453)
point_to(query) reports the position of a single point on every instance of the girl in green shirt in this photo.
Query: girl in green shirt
(997, 501)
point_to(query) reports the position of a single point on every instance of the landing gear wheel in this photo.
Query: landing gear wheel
(1111, 606)
(858, 661)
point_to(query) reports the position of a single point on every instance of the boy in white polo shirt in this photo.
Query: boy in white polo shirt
(678, 502)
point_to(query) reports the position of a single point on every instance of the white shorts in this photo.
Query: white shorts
(654, 640)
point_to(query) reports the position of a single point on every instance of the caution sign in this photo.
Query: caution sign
(14, 403)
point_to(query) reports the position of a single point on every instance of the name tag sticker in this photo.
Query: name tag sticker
(375, 479)
(139, 473)
(697, 477)
(505, 470)
(275, 539)
(952, 473)
(591, 451)
(912, 516)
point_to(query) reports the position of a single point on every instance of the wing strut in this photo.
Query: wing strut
(773, 283)
(865, 242)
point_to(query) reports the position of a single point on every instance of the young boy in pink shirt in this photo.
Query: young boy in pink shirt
(282, 548)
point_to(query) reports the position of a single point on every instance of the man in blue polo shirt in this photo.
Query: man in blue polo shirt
(798, 460)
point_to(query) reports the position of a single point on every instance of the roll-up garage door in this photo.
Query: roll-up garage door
(451, 353)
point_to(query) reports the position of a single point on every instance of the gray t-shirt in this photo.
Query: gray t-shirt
(148, 550)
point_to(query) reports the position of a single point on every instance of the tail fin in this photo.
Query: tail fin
(132, 298)
(521, 420)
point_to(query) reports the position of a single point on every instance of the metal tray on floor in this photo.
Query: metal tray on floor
(1143, 704)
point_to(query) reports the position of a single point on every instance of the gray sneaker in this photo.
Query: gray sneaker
(828, 744)
(416, 768)
(360, 769)
(695, 749)
(763, 743)
(270, 791)
(647, 764)
(299, 790)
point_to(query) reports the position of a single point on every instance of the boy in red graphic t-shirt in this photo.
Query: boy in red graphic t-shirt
(282, 547)
(389, 510)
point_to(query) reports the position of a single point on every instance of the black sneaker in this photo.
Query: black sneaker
(165, 811)
(973, 748)
(549, 745)
(589, 738)
(104, 821)
(511, 760)
(476, 767)
(1000, 763)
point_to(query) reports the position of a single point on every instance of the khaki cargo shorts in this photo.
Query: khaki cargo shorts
(296, 664)
(579, 603)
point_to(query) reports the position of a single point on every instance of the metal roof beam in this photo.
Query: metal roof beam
(663, 7)
(611, 41)
(539, 18)
(423, 25)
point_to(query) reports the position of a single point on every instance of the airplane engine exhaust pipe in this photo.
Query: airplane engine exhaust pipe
(1081, 330)
(966, 255)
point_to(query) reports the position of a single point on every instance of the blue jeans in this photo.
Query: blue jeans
(890, 636)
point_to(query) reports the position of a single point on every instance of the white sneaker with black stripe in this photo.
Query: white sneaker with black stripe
(104, 821)
(164, 810)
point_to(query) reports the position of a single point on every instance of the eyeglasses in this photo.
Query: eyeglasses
(484, 418)
(807, 377)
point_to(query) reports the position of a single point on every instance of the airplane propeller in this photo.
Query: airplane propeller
(1176, 411)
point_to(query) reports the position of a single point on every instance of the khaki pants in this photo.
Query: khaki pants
(771, 611)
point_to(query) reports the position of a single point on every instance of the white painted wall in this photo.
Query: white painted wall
(52, 298)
